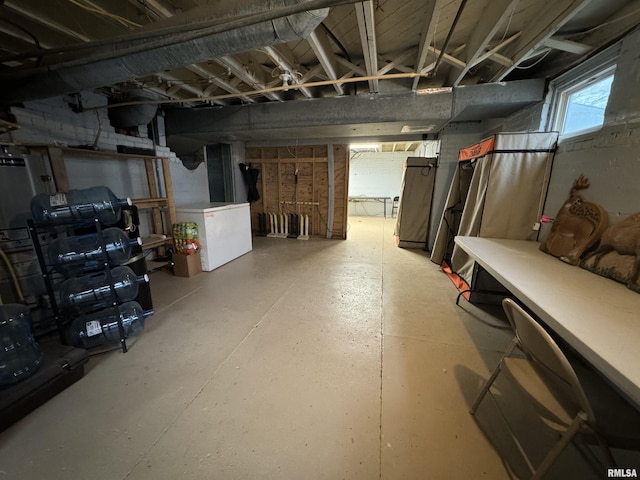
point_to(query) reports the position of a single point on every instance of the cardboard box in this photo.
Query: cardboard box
(186, 265)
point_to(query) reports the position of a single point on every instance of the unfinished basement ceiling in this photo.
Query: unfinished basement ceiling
(384, 147)
(198, 53)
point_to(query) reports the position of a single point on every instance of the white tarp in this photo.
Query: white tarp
(414, 208)
(450, 220)
(506, 193)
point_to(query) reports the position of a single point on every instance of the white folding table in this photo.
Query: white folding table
(598, 317)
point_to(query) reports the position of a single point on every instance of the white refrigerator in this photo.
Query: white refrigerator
(224, 230)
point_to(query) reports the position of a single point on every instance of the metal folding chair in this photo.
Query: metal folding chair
(584, 407)
(394, 206)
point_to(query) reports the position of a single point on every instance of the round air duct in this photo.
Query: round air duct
(128, 116)
(193, 161)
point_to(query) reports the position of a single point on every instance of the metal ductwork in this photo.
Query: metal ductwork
(122, 61)
(133, 115)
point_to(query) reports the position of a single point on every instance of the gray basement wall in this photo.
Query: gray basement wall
(55, 121)
(453, 138)
(609, 157)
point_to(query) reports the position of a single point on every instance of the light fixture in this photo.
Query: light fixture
(418, 128)
(286, 80)
(432, 90)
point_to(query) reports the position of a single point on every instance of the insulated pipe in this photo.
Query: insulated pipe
(304, 227)
(283, 233)
(272, 220)
(121, 64)
(197, 25)
(276, 219)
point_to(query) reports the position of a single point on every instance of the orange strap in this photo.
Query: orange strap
(457, 280)
(477, 150)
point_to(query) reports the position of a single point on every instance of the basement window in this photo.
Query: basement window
(580, 97)
(582, 107)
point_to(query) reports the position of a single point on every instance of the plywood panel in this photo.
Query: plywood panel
(271, 194)
(295, 179)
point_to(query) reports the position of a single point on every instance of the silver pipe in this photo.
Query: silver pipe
(144, 34)
(117, 65)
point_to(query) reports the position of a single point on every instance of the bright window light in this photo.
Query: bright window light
(584, 105)
(579, 97)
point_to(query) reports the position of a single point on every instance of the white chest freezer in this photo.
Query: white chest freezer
(224, 230)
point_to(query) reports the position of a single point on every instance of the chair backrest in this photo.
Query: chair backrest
(536, 342)
(396, 199)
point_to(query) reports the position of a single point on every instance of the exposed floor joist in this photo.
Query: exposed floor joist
(247, 77)
(496, 14)
(320, 47)
(366, 26)
(536, 33)
(431, 20)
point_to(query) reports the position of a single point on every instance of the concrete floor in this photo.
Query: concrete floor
(316, 360)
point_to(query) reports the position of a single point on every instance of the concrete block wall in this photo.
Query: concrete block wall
(54, 121)
(610, 158)
(375, 174)
(528, 119)
(454, 137)
(189, 186)
(611, 161)
(624, 102)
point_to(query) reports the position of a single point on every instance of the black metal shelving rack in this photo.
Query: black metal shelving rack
(47, 273)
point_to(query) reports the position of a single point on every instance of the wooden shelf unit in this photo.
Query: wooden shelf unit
(154, 202)
(6, 126)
